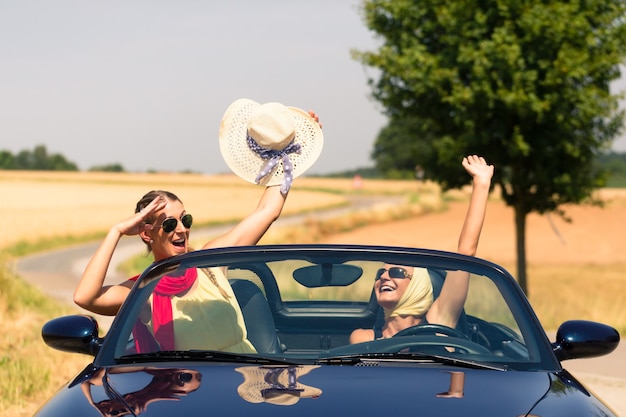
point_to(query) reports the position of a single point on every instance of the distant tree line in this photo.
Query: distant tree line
(40, 160)
(107, 168)
(391, 162)
(614, 163)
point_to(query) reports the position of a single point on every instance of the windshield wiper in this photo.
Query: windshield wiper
(366, 358)
(201, 355)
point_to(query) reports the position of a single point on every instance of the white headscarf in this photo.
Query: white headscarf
(417, 298)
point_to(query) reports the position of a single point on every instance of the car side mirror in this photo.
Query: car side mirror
(76, 334)
(577, 339)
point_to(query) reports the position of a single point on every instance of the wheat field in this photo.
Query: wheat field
(38, 205)
(44, 205)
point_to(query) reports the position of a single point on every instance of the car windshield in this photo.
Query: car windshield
(300, 304)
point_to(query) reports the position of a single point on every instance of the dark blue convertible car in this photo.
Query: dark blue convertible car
(300, 304)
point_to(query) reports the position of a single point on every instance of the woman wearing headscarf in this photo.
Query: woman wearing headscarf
(405, 293)
(267, 144)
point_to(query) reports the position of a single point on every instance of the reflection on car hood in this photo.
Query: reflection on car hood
(306, 390)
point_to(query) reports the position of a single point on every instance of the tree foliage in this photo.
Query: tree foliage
(116, 167)
(403, 148)
(524, 83)
(615, 165)
(38, 160)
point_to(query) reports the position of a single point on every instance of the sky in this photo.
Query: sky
(145, 83)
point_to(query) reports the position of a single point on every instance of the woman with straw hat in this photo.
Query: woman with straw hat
(271, 142)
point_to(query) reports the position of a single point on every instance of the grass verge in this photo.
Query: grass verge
(29, 370)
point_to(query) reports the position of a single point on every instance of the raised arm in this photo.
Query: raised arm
(91, 293)
(472, 226)
(447, 307)
(252, 228)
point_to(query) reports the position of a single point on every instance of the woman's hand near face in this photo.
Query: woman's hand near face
(91, 293)
(136, 223)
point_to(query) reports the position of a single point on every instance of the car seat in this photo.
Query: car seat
(257, 316)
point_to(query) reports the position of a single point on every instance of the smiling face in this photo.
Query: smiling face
(166, 244)
(389, 290)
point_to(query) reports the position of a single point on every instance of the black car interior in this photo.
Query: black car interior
(293, 327)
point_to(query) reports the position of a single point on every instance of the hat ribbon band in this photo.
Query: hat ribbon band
(272, 157)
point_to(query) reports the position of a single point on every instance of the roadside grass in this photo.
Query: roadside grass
(26, 247)
(582, 292)
(29, 370)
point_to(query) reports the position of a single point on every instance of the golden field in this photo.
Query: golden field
(40, 205)
(48, 205)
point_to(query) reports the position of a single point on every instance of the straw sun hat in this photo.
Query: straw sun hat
(269, 144)
(276, 385)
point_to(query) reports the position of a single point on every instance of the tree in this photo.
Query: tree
(38, 160)
(403, 148)
(114, 167)
(523, 82)
(7, 160)
(615, 164)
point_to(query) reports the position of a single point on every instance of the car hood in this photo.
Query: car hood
(303, 390)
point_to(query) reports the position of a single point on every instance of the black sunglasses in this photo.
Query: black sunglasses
(394, 272)
(170, 223)
(183, 378)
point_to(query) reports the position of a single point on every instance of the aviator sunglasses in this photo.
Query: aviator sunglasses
(393, 272)
(170, 223)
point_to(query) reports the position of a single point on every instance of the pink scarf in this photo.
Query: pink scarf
(162, 318)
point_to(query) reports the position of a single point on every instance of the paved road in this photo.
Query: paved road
(57, 273)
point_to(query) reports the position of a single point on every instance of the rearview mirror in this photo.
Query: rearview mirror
(327, 275)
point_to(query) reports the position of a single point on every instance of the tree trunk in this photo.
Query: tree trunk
(520, 240)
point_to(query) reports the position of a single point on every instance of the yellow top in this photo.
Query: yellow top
(205, 320)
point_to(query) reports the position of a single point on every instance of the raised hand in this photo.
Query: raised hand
(136, 223)
(315, 117)
(478, 168)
